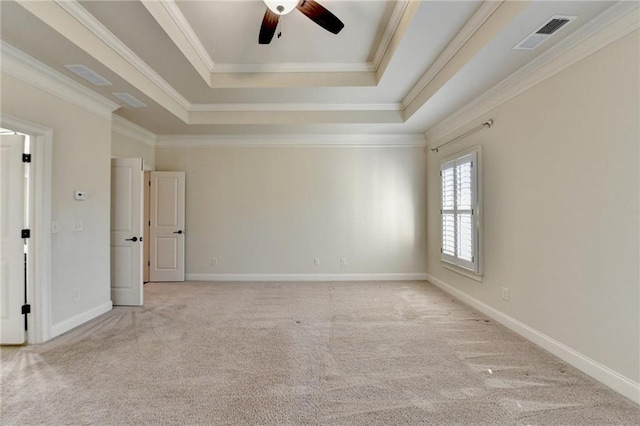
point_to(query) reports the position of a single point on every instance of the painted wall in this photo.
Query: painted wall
(80, 261)
(561, 203)
(124, 145)
(272, 210)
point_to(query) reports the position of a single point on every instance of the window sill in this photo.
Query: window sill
(462, 271)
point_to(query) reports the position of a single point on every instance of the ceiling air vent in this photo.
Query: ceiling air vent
(89, 75)
(130, 100)
(553, 25)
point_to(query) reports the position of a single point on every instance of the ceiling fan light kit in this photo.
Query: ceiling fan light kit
(281, 7)
(310, 8)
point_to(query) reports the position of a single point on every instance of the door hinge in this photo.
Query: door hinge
(26, 233)
(26, 158)
(26, 309)
(148, 263)
(149, 223)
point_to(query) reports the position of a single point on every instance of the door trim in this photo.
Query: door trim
(39, 269)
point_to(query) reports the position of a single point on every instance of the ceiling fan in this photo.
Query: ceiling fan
(311, 9)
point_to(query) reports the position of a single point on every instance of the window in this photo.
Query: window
(460, 210)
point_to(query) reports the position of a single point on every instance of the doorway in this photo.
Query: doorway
(38, 206)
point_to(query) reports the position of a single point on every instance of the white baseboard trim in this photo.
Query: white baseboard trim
(417, 276)
(601, 373)
(73, 322)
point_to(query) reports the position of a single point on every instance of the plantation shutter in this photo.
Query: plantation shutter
(459, 211)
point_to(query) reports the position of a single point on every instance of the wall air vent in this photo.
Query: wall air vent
(553, 25)
(130, 100)
(89, 75)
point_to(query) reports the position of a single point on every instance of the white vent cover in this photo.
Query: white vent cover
(130, 100)
(89, 75)
(552, 26)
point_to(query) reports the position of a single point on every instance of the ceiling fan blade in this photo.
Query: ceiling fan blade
(268, 27)
(320, 16)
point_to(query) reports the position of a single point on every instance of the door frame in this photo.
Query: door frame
(39, 251)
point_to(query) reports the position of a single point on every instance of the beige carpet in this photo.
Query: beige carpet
(298, 353)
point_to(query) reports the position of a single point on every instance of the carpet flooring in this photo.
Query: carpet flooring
(322, 353)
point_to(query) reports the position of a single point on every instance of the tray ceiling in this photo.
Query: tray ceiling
(397, 67)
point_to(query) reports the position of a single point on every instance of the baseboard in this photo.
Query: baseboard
(73, 322)
(601, 373)
(417, 276)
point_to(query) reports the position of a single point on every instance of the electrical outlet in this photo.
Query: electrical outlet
(214, 261)
(505, 293)
(343, 261)
(316, 261)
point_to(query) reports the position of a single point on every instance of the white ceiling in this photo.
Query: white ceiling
(397, 67)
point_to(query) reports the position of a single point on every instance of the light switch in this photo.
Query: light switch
(78, 225)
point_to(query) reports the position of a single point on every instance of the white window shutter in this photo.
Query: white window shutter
(459, 179)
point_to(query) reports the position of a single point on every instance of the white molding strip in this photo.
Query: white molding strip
(468, 30)
(126, 128)
(293, 107)
(279, 141)
(77, 320)
(598, 371)
(418, 276)
(614, 23)
(30, 70)
(180, 20)
(387, 37)
(73, 8)
(294, 67)
(174, 12)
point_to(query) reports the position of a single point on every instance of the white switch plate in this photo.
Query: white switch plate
(343, 261)
(316, 261)
(78, 225)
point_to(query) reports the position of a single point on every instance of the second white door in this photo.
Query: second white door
(167, 226)
(126, 231)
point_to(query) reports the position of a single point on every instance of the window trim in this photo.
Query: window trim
(474, 269)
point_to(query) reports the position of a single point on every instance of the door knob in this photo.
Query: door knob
(178, 232)
(134, 239)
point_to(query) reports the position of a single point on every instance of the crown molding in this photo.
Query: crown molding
(73, 8)
(387, 37)
(126, 128)
(180, 20)
(171, 9)
(468, 30)
(280, 107)
(404, 13)
(294, 68)
(614, 23)
(221, 75)
(280, 141)
(28, 69)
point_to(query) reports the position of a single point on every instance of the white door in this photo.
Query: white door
(126, 231)
(167, 226)
(12, 290)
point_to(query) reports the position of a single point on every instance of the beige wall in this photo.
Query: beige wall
(561, 208)
(123, 146)
(81, 161)
(273, 210)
